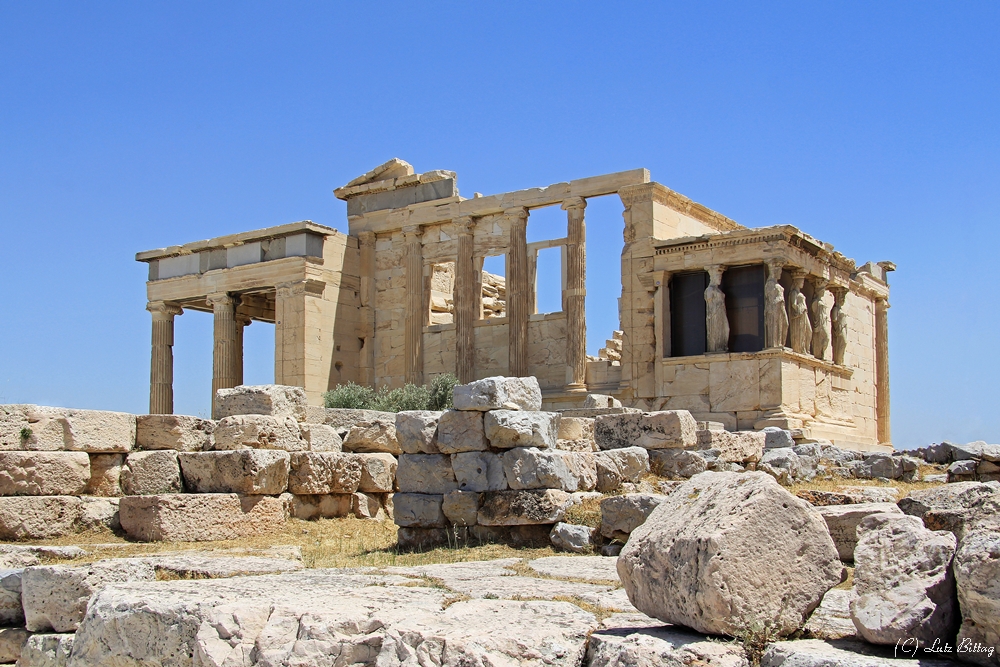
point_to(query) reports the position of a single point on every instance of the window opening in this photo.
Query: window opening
(744, 290)
(442, 302)
(494, 287)
(688, 336)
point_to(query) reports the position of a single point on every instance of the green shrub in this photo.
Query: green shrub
(25, 433)
(350, 395)
(442, 392)
(409, 397)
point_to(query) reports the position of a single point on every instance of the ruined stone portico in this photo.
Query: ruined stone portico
(748, 327)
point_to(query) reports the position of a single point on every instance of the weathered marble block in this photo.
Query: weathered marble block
(499, 393)
(461, 507)
(460, 431)
(43, 473)
(11, 609)
(321, 438)
(532, 468)
(620, 515)
(518, 428)
(245, 471)
(12, 640)
(649, 430)
(479, 471)
(105, 475)
(378, 473)
(418, 510)
(320, 506)
(92, 431)
(324, 472)
(55, 596)
(734, 447)
(39, 517)
(677, 463)
(416, 431)
(258, 432)
(425, 473)
(372, 437)
(517, 508)
(198, 517)
(274, 400)
(180, 432)
(152, 473)
(617, 466)
(843, 520)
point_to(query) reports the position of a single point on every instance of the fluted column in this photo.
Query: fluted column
(161, 371)
(467, 302)
(716, 320)
(518, 292)
(799, 328)
(882, 371)
(224, 359)
(242, 322)
(775, 313)
(366, 241)
(576, 290)
(414, 327)
(838, 318)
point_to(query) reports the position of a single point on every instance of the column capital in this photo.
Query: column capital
(412, 233)
(839, 293)
(774, 267)
(820, 284)
(574, 204)
(715, 272)
(220, 299)
(243, 319)
(516, 215)
(366, 239)
(164, 309)
(465, 224)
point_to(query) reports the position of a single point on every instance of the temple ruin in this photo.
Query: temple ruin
(747, 327)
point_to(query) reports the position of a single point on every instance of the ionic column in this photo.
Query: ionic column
(518, 292)
(242, 322)
(225, 356)
(414, 329)
(775, 314)
(799, 328)
(716, 320)
(161, 370)
(467, 301)
(367, 247)
(820, 310)
(838, 318)
(882, 371)
(576, 290)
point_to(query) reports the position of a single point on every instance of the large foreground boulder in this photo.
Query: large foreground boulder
(903, 580)
(977, 575)
(727, 550)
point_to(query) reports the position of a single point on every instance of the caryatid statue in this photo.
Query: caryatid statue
(820, 308)
(839, 320)
(799, 328)
(716, 321)
(775, 315)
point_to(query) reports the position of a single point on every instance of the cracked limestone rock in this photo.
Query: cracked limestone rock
(373, 437)
(152, 473)
(727, 547)
(499, 393)
(246, 471)
(258, 432)
(518, 428)
(324, 472)
(460, 431)
(903, 580)
(274, 400)
(416, 431)
(649, 430)
(44, 473)
(179, 432)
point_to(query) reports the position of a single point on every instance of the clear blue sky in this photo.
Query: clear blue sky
(130, 126)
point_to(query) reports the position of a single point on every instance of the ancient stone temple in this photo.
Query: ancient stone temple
(747, 327)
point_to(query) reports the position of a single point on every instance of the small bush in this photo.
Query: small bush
(25, 433)
(409, 397)
(442, 392)
(350, 395)
(755, 638)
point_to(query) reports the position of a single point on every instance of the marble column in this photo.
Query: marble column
(518, 292)
(882, 371)
(799, 328)
(775, 313)
(576, 291)
(716, 320)
(224, 358)
(366, 241)
(414, 328)
(467, 301)
(242, 322)
(838, 319)
(820, 310)
(161, 371)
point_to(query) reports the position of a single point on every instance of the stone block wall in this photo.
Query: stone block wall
(180, 477)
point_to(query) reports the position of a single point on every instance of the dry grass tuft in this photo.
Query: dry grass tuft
(586, 513)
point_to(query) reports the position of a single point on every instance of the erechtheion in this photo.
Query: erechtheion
(748, 327)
